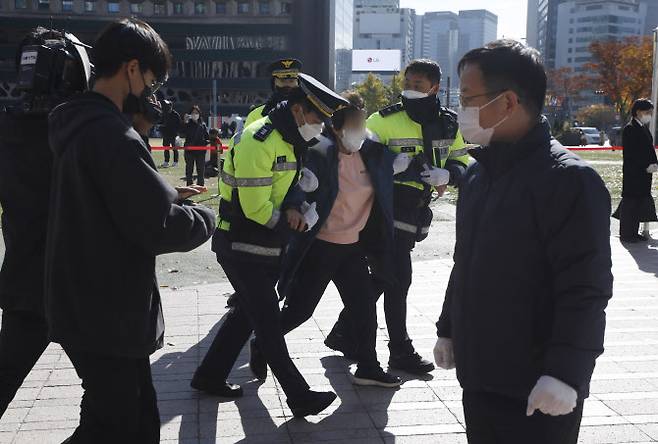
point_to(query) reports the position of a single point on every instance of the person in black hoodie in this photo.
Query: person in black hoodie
(25, 174)
(172, 124)
(111, 215)
(524, 312)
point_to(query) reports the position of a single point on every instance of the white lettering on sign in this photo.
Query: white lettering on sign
(225, 42)
(29, 58)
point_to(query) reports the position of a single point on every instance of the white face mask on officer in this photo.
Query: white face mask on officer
(411, 94)
(468, 118)
(310, 131)
(353, 139)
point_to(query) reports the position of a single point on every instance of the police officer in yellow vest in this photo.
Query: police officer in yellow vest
(259, 169)
(427, 132)
(284, 82)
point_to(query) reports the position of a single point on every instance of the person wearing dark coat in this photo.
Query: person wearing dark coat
(111, 214)
(172, 124)
(349, 179)
(25, 175)
(196, 134)
(640, 163)
(523, 318)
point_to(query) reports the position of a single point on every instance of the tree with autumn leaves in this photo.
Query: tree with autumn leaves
(622, 70)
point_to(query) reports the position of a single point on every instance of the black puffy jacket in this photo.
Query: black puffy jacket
(532, 274)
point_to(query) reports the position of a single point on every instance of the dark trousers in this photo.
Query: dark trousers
(629, 217)
(347, 267)
(193, 158)
(23, 339)
(256, 310)
(395, 300)
(170, 141)
(497, 419)
(119, 403)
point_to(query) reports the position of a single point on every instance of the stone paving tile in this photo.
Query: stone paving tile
(623, 407)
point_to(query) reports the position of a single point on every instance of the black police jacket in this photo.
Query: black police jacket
(25, 171)
(532, 274)
(111, 213)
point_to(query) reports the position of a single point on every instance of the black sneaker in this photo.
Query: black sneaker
(257, 362)
(629, 240)
(216, 388)
(311, 403)
(375, 377)
(339, 343)
(411, 363)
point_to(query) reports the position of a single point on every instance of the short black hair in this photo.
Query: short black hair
(511, 65)
(37, 36)
(129, 39)
(356, 105)
(428, 68)
(641, 105)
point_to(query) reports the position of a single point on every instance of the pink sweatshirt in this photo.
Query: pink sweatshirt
(351, 210)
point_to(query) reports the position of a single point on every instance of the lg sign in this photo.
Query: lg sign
(376, 60)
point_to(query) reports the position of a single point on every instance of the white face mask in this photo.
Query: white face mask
(410, 94)
(468, 119)
(194, 117)
(645, 119)
(353, 139)
(310, 131)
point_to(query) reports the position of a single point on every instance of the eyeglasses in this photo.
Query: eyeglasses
(155, 84)
(463, 100)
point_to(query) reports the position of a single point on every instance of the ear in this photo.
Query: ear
(434, 90)
(511, 100)
(132, 65)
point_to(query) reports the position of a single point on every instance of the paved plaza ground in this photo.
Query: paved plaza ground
(623, 407)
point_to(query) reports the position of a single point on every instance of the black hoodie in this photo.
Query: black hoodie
(111, 214)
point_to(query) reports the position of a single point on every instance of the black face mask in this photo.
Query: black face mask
(137, 104)
(422, 110)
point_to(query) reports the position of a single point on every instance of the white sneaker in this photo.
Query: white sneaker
(165, 165)
(174, 165)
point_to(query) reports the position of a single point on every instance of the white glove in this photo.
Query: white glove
(552, 397)
(310, 214)
(435, 176)
(653, 168)
(178, 141)
(444, 355)
(308, 181)
(401, 163)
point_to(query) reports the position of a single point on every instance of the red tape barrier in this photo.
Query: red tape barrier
(191, 148)
(597, 148)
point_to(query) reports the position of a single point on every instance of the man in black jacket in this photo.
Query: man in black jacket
(25, 173)
(170, 129)
(111, 215)
(523, 318)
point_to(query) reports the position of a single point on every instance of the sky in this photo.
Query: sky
(511, 13)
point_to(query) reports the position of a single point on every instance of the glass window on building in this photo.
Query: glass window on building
(244, 7)
(20, 4)
(264, 7)
(136, 8)
(159, 9)
(178, 8)
(90, 6)
(43, 5)
(67, 5)
(113, 7)
(220, 7)
(286, 8)
(200, 8)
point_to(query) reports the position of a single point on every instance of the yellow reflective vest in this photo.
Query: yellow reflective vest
(254, 114)
(393, 127)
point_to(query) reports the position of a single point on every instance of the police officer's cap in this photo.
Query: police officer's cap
(323, 99)
(286, 68)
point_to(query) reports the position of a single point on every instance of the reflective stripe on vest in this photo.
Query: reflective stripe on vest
(403, 226)
(410, 141)
(285, 166)
(458, 153)
(255, 249)
(249, 182)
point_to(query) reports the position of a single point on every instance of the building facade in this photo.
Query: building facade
(440, 41)
(546, 29)
(382, 24)
(476, 28)
(581, 22)
(343, 12)
(226, 43)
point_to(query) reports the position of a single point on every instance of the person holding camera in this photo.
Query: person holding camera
(196, 135)
(25, 174)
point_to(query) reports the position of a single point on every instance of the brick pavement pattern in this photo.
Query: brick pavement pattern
(623, 407)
